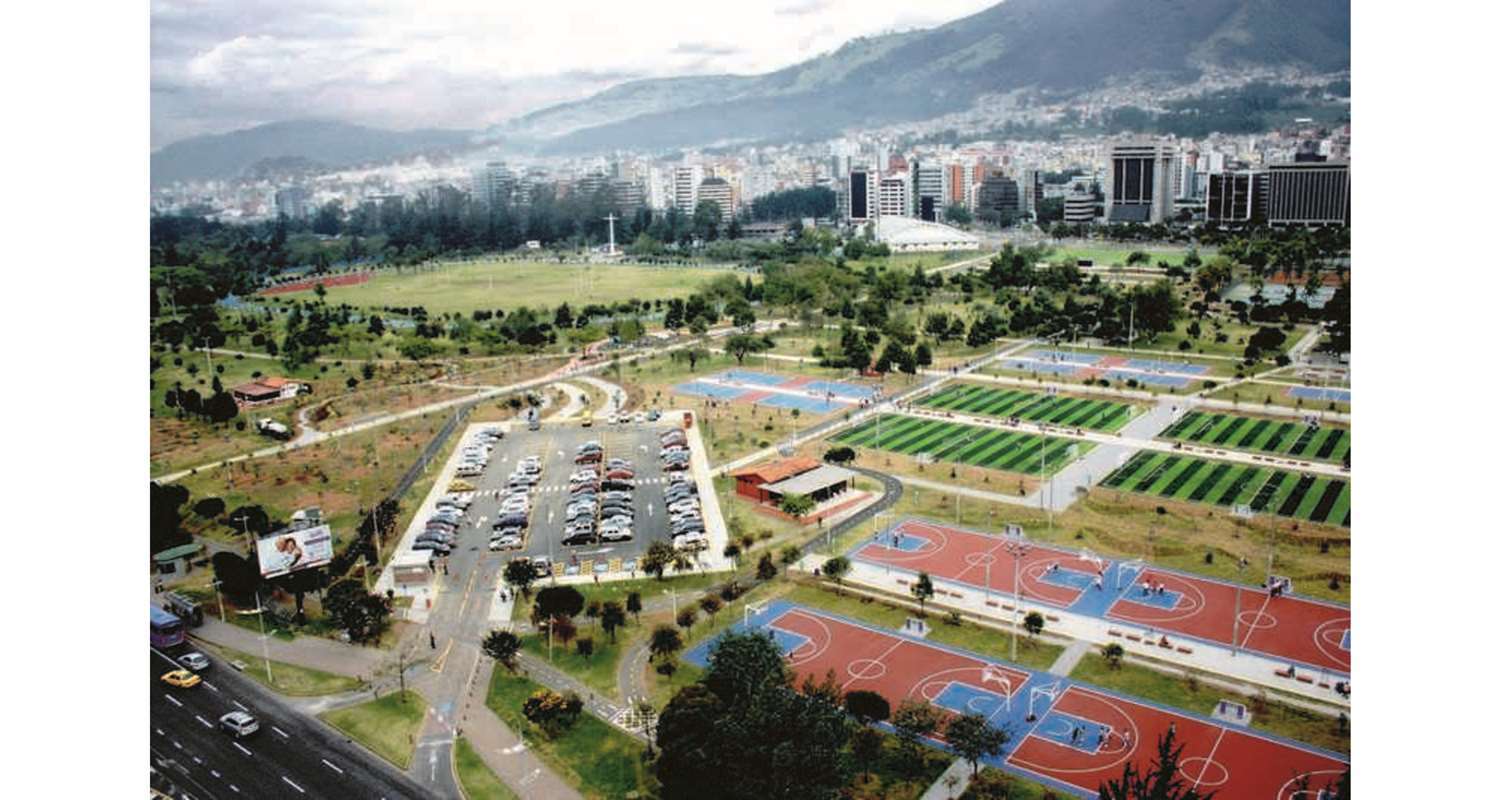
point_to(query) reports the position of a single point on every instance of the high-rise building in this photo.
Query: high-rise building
(293, 202)
(930, 180)
(1237, 196)
(1031, 191)
(1079, 208)
(685, 180)
(495, 184)
(1310, 193)
(958, 185)
(1140, 186)
(860, 194)
(719, 191)
(591, 183)
(895, 195)
(628, 195)
(999, 198)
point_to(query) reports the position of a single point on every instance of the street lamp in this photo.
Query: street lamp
(1017, 549)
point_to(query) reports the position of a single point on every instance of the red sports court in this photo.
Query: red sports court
(1068, 735)
(1296, 629)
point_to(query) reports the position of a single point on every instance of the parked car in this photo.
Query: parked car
(674, 466)
(691, 541)
(541, 566)
(238, 724)
(579, 539)
(615, 534)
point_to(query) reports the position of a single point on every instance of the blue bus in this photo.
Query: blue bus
(166, 629)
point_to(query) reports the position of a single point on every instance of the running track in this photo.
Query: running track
(1112, 730)
(1309, 633)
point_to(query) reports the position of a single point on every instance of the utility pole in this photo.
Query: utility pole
(611, 218)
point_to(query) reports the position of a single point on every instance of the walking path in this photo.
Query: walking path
(577, 401)
(952, 783)
(1069, 658)
(313, 652)
(505, 753)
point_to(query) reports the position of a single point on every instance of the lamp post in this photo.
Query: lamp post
(265, 649)
(1017, 550)
(220, 598)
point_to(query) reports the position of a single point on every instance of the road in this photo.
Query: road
(292, 756)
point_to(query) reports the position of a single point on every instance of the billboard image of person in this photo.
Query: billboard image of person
(290, 550)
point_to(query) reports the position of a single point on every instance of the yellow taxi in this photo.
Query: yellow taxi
(181, 678)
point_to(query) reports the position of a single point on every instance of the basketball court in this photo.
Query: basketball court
(1063, 733)
(1301, 631)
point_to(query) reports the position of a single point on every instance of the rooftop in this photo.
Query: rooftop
(809, 482)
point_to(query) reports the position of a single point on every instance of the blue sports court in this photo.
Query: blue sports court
(1064, 357)
(839, 389)
(816, 405)
(1046, 367)
(708, 390)
(750, 376)
(961, 698)
(1320, 393)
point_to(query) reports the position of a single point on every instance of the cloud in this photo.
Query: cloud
(804, 7)
(704, 49)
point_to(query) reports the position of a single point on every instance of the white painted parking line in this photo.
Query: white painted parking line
(205, 722)
(237, 703)
(160, 732)
(177, 744)
(332, 766)
(280, 731)
(215, 773)
(197, 760)
(242, 748)
(174, 701)
(235, 788)
(293, 785)
(211, 686)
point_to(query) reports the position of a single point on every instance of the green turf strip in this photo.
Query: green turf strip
(1208, 483)
(1064, 408)
(889, 427)
(1325, 503)
(982, 445)
(938, 439)
(1302, 442)
(1027, 410)
(1181, 425)
(979, 401)
(1268, 490)
(952, 446)
(1210, 425)
(1238, 485)
(1175, 486)
(1056, 457)
(1282, 431)
(910, 437)
(1346, 519)
(1225, 435)
(1341, 507)
(966, 397)
(1027, 450)
(992, 455)
(1119, 413)
(996, 400)
(1335, 436)
(1150, 476)
(1085, 415)
(1309, 500)
(849, 434)
(1165, 477)
(1246, 440)
(1289, 506)
(1005, 406)
(1127, 469)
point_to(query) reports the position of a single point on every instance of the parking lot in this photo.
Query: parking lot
(556, 447)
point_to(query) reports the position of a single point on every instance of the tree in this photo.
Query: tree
(665, 640)
(1033, 623)
(710, 606)
(585, 646)
(835, 569)
(790, 555)
(612, 617)
(685, 619)
(796, 504)
(865, 746)
(922, 590)
(659, 556)
(972, 737)
(1160, 781)
(209, 507)
(502, 646)
(361, 615)
(686, 735)
(743, 663)
(744, 344)
(633, 605)
(561, 629)
(556, 601)
(867, 707)
(766, 568)
(914, 721)
(958, 215)
(417, 349)
(238, 577)
(166, 516)
(552, 712)
(519, 575)
(1114, 653)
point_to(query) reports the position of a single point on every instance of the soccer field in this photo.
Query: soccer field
(469, 285)
(1071, 412)
(1322, 443)
(1265, 490)
(976, 446)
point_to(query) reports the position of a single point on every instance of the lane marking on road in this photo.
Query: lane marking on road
(177, 744)
(160, 732)
(242, 748)
(293, 785)
(211, 686)
(173, 700)
(332, 766)
(197, 760)
(280, 731)
(237, 703)
(205, 722)
(215, 773)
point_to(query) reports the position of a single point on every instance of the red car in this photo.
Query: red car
(620, 474)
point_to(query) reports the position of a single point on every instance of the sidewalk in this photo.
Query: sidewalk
(313, 652)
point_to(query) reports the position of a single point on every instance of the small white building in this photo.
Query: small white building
(906, 234)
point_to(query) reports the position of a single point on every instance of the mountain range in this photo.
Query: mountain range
(1052, 49)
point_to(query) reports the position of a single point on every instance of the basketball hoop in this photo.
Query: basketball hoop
(993, 674)
(753, 610)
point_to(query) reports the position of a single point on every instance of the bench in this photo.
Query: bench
(1115, 633)
(1186, 650)
(992, 604)
(1133, 637)
(1053, 618)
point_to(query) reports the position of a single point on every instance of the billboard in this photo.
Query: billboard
(288, 550)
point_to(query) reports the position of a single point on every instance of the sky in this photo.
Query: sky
(221, 65)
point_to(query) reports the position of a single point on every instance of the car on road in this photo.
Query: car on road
(618, 485)
(508, 542)
(541, 566)
(691, 541)
(640, 417)
(588, 419)
(195, 661)
(181, 678)
(653, 415)
(238, 724)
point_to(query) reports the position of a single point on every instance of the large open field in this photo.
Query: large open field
(992, 448)
(1282, 437)
(490, 284)
(1071, 412)
(1266, 491)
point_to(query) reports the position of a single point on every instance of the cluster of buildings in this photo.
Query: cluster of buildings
(1295, 176)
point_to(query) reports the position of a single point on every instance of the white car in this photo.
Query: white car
(239, 724)
(614, 418)
(640, 417)
(691, 541)
(690, 504)
(615, 533)
(508, 542)
(195, 661)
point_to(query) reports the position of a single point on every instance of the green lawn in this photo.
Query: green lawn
(1064, 410)
(993, 784)
(475, 778)
(991, 448)
(597, 670)
(984, 641)
(1104, 255)
(619, 591)
(1278, 436)
(595, 757)
(1320, 499)
(287, 679)
(1149, 684)
(491, 284)
(389, 726)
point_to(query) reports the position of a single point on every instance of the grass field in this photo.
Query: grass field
(476, 779)
(1267, 491)
(991, 448)
(1105, 255)
(598, 759)
(1322, 443)
(490, 284)
(1069, 412)
(388, 726)
(287, 679)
